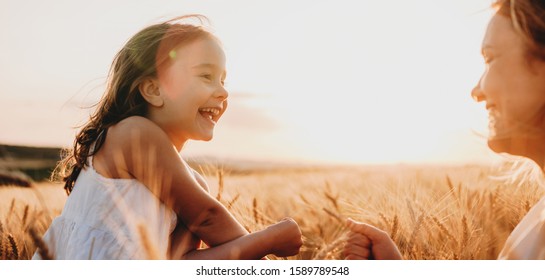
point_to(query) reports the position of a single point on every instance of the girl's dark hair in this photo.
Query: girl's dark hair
(528, 18)
(139, 59)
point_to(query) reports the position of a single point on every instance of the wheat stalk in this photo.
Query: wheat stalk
(220, 184)
(256, 214)
(335, 216)
(14, 248)
(442, 228)
(332, 198)
(459, 191)
(450, 185)
(492, 248)
(527, 206)
(320, 231)
(395, 227)
(25, 216)
(11, 209)
(465, 235)
(327, 249)
(385, 220)
(415, 231)
(1, 246)
(494, 197)
(304, 199)
(43, 251)
(230, 203)
(411, 211)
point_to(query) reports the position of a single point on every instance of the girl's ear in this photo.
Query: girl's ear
(149, 88)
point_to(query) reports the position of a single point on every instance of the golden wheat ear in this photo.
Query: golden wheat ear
(14, 254)
(1, 246)
(220, 184)
(42, 248)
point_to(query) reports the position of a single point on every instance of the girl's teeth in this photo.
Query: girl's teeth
(211, 110)
(209, 113)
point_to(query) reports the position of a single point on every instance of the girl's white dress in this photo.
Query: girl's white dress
(106, 218)
(527, 241)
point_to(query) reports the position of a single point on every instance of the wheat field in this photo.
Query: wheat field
(438, 213)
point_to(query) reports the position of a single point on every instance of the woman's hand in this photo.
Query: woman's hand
(368, 242)
(284, 237)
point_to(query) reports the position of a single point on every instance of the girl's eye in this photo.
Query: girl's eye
(207, 76)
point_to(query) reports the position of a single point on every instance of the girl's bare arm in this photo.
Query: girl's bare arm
(282, 239)
(140, 148)
(143, 150)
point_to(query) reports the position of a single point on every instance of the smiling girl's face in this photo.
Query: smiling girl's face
(513, 87)
(192, 90)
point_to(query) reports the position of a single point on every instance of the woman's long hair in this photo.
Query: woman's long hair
(139, 59)
(528, 18)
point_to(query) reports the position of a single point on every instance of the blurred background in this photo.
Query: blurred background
(364, 82)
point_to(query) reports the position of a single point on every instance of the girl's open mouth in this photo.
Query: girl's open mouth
(211, 114)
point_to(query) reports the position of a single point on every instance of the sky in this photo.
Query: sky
(373, 82)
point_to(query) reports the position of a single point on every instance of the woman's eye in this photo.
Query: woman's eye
(487, 59)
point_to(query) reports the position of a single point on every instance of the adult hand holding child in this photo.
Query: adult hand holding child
(366, 242)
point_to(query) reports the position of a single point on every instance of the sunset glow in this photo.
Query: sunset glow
(329, 81)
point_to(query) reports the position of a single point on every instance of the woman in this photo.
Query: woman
(513, 88)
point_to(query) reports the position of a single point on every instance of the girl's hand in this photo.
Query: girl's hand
(368, 242)
(285, 238)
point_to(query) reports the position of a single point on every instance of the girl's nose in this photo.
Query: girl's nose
(221, 93)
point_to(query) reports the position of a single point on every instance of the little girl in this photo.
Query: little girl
(131, 196)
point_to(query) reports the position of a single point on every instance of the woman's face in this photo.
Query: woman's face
(513, 87)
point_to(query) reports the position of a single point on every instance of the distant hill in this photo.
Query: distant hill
(36, 162)
(7, 151)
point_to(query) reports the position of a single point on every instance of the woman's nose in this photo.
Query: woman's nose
(477, 94)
